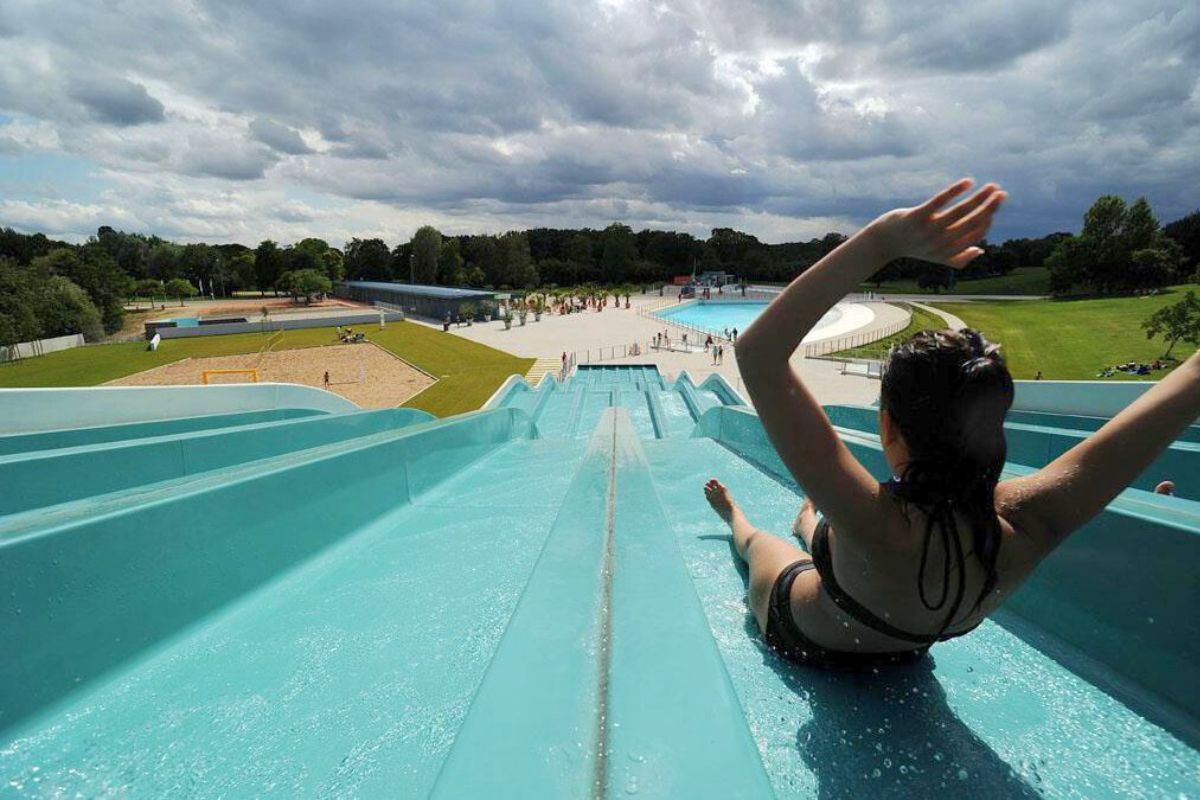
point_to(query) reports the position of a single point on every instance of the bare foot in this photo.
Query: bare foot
(718, 497)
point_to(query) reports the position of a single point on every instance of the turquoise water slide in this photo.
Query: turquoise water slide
(1036, 439)
(535, 601)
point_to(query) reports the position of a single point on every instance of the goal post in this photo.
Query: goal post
(208, 375)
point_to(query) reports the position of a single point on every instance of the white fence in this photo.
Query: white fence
(837, 343)
(637, 349)
(40, 347)
(648, 313)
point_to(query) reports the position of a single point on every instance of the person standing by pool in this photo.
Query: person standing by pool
(734, 339)
(944, 522)
(326, 382)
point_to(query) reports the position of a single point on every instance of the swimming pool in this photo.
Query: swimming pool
(720, 316)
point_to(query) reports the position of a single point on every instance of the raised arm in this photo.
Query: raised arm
(794, 421)
(1059, 498)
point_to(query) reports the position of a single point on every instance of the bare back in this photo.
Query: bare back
(885, 580)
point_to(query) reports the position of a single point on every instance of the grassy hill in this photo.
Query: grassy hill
(1071, 339)
(467, 372)
(1023, 280)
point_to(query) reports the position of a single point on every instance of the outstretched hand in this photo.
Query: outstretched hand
(935, 231)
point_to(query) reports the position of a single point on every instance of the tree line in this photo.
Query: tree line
(50, 288)
(1123, 248)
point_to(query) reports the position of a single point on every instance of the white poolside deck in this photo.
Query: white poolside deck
(614, 328)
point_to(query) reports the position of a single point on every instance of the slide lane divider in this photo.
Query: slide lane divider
(656, 413)
(676, 727)
(536, 724)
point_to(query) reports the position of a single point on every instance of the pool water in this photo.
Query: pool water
(718, 317)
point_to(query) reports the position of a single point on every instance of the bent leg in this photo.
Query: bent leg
(765, 554)
(805, 526)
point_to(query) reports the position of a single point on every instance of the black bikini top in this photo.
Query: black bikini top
(941, 518)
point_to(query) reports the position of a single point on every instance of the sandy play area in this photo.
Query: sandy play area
(362, 373)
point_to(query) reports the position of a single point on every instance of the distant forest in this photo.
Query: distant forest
(50, 287)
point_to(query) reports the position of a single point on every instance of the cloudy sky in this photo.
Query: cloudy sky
(228, 120)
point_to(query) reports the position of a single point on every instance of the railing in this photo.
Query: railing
(633, 349)
(649, 314)
(826, 346)
(390, 307)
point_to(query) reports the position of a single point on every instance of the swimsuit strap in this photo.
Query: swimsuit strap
(943, 512)
(824, 563)
(823, 560)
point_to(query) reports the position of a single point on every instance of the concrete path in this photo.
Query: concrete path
(590, 332)
(952, 322)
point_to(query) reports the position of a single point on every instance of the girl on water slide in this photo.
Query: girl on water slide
(891, 568)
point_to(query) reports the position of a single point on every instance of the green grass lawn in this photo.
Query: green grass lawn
(1072, 339)
(921, 320)
(467, 372)
(1023, 280)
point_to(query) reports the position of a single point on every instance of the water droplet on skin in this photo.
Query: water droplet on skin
(903, 770)
(875, 773)
(963, 774)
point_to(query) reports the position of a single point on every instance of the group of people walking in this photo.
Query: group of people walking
(716, 348)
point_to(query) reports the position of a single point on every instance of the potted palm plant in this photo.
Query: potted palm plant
(468, 311)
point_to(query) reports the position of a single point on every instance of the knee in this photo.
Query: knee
(759, 590)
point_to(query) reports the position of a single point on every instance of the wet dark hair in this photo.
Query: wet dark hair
(948, 392)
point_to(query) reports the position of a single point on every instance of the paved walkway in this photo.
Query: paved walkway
(952, 322)
(589, 332)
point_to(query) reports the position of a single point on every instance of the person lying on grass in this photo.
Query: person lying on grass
(892, 568)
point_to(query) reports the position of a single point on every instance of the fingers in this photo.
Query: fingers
(980, 214)
(975, 226)
(945, 196)
(965, 257)
(953, 215)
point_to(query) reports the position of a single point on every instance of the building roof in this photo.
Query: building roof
(439, 292)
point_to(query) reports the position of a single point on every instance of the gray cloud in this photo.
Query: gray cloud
(229, 158)
(361, 148)
(781, 114)
(278, 137)
(116, 100)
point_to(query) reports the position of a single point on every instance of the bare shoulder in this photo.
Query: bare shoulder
(893, 526)
(1022, 528)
